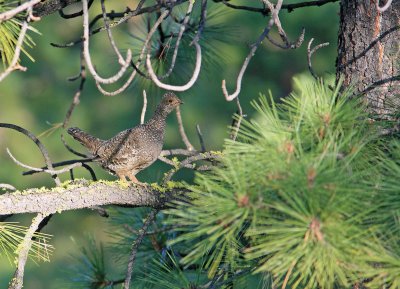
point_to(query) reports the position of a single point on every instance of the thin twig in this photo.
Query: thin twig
(8, 187)
(237, 122)
(385, 7)
(52, 172)
(189, 160)
(310, 52)
(24, 247)
(201, 139)
(144, 107)
(87, 56)
(202, 21)
(289, 45)
(76, 99)
(135, 246)
(184, 87)
(230, 97)
(184, 137)
(174, 152)
(133, 74)
(11, 13)
(121, 60)
(281, 31)
(178, 40)
(43, 150)
(60, 164)
(288, 7)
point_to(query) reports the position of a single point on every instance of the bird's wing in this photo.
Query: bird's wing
(121, 147)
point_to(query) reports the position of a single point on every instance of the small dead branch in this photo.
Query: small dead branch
(51, 172)
(201, 139)
(178, 40)
(237, 121)
(385, 7)
(310, 52)
(87, 56)
(7, 187)
(184, 87)
(182, 132)
(190, 160)
(41, 147)
(135, 245)
(230, 97)
(144, 48)
(143, 114)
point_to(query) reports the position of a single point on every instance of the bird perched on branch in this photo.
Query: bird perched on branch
(133, 149)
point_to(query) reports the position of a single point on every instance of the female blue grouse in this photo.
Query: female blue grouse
(133, 149)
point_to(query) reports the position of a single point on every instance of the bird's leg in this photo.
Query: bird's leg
(134, 180)
(122, 178)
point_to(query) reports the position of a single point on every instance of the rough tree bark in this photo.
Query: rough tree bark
(368, 53)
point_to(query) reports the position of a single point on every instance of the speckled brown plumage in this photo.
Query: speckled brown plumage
(133, 149)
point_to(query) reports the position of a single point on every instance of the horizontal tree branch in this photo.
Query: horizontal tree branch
(84, 194)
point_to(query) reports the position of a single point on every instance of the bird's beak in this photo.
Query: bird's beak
(181, 102)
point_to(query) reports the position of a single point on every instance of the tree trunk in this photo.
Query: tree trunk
(368, 54)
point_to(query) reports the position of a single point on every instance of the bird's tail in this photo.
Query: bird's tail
(90, 142)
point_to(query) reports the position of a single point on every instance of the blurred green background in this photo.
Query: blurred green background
(40, 97)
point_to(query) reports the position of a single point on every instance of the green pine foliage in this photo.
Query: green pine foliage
(306, 197)
(299, 197)
(11, 237)
(9, 33)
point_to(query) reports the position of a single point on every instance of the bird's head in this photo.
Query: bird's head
(169, 102)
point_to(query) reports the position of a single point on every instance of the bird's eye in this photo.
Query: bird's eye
(170, 100)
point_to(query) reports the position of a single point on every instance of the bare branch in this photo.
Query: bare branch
(385, 7)
(230, 97)
(121, 60)
(135, 246)
(185, 139)
(178, 40)
(24, 247)
(86, 52)
(237, 122)
(184, 87)
(84, 195)
(76, 99)
(201, 139)
(8, 187)
(288, 7)
(52, 172)
(310, 52)
(133, 74)
(11, 13)
(182, 152)
(39, 145)
(190, 160)
(144, 107)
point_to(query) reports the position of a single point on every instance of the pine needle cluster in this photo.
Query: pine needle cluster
(307, 196)
(9, 33)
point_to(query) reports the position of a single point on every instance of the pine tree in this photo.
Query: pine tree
(306, 197)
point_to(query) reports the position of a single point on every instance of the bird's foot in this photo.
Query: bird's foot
(139, 184)
(136, 182)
